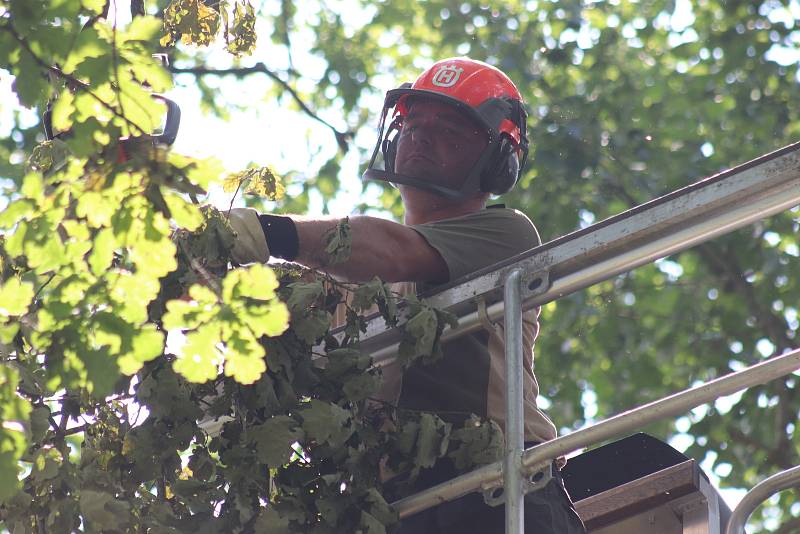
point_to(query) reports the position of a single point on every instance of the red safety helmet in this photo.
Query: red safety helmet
(481, 92)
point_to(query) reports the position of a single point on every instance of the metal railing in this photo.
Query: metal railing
(679, 220)
(711, 207)
(759, 494)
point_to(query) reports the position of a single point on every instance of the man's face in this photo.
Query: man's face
(438, 143)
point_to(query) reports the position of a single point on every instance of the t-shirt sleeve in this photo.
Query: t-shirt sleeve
(479, 239)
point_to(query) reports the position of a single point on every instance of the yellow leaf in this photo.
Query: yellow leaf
(232, 182)
(266, 183)
(261, 181)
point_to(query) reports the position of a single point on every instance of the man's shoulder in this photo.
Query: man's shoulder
(479, 239)
(494, 219)
(497, 212)
(500, 212)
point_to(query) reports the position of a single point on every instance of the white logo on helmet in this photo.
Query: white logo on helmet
(446, 76)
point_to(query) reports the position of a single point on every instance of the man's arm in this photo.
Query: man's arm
(382, 248)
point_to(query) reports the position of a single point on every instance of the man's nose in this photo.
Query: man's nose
(421, 134)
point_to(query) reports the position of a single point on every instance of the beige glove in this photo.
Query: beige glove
(250, 244)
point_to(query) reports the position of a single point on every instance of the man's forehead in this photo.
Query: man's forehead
(443, 110)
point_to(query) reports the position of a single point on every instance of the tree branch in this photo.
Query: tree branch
(342, 138)
(286, 20)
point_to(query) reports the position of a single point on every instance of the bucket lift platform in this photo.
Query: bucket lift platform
(640, 484)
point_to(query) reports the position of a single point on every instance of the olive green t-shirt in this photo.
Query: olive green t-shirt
(470, 378)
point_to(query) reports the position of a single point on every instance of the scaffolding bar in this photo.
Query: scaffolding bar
(536, 457)
(666, 225)
(515, 440)
(760, 493)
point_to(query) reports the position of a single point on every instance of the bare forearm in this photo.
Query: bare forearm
(379, 247)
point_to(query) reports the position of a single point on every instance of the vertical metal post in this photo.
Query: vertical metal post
(512, 467)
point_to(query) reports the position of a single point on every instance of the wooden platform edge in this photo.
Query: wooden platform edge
(638, 495)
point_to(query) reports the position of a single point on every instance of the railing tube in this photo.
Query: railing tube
(515, 510)
(539, 456)
(760, 493)
(675, 404)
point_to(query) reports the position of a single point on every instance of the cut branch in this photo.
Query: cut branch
(342, 138)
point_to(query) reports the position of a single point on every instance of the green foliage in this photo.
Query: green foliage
(337, 242)
(125, 338)
(423, 331)
(628, 100)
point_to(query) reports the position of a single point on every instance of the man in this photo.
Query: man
(456, 136)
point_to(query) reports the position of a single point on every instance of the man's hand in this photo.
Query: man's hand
(250, 244)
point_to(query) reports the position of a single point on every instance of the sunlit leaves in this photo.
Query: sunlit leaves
(260, 181)
(147, 345)
(198, 172)
(240, 35)
(14, 412)
(226, 328)
(95, 6)
(102, 251)
(200, 356)
(48, 156)
(191, 21)
(15, 296)
(195, 22)
(255, 282)
(185, 214)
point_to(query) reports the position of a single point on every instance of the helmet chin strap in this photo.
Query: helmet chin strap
(471, 185)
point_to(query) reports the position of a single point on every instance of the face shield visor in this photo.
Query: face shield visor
(502, 117)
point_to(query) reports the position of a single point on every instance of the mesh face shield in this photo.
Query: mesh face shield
(478, 91)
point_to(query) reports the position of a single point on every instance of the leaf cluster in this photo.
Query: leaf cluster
(262, 182)
(195, 22)
(145, 386)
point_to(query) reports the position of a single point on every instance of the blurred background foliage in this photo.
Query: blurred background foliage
(628, 100)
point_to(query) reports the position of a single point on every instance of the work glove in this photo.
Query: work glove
(250, 243)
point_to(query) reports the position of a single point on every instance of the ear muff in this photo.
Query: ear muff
(502, 170)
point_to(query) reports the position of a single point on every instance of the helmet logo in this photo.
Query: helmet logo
(446, 76)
